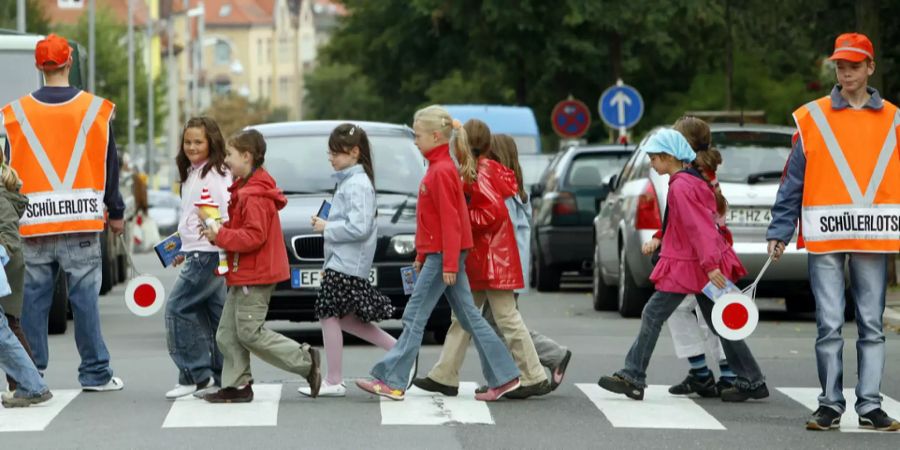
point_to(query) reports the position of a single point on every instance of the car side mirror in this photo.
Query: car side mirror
(613, 182)
(537, 190)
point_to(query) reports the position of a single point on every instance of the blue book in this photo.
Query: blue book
(168, 249)
(408, 276)
(324, 210)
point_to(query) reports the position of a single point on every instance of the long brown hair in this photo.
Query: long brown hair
(215, 142)
(479, 135)
(504, 151)
(252, 142)
(346, 136)
(708, 160)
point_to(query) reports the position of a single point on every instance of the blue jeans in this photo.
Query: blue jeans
(192, 317)
(656, 312)
(14, 361)
(868, 283)
(78, 255)
(497, 364)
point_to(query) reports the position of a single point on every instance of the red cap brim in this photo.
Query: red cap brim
(848, 56)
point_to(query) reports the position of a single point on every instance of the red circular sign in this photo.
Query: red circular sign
(144, 295)
(735, 316)
(570, 118)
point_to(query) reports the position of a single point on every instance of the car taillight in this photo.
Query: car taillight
(648, 210)
(564, 204)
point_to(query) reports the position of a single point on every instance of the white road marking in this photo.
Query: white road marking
(659, 409)
(809, 397)
(36, 417)
(190, 412)
(425, 408)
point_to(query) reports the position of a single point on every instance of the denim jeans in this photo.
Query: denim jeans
(868, 283)
(192, 317)
(497, 364)
(14, 361)
(657, 311)
(78, 256)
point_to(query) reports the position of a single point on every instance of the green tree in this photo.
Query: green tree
(341, 92)
(36, 20)
(112, 74)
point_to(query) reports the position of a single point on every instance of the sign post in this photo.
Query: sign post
(621, 107)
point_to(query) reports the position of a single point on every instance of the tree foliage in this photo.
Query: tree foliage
(36, 20)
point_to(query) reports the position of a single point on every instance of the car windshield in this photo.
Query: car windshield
(595, 169)
(533, 167)
(751, 156)
(300, 164)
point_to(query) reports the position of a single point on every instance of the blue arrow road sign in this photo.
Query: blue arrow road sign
(621, 106)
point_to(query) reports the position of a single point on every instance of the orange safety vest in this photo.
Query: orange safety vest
(59, 151)
(851, 191)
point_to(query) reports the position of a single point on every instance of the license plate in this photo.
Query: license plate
(312, 278)
(748, 217)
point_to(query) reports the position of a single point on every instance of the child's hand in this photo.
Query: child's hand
(717, 279)
(449, 278)
(319, 224)
(210, 233)
(178, 260)
(417, 266)
(650, 246)
(202, 214)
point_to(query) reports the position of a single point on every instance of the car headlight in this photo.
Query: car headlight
(404, 244)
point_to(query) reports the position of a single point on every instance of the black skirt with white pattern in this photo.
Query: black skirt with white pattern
(343, 294)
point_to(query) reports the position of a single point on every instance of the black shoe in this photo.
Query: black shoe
(824, 419)
(542, 388)
(427, 384)
(877, 419)
(735, 394)
(723, 384)
(559, 372)
(692, 384)
(231, 395)
(620, 385)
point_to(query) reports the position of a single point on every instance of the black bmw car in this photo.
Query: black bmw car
(297, 157)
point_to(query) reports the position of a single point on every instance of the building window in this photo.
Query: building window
(284, 86)
(259, 93)
(222, 86)
(269, 49)
(223, 53)
(259, 51)
(284, 49)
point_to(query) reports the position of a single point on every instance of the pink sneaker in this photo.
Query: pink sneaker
(378, 387)
(494, 394)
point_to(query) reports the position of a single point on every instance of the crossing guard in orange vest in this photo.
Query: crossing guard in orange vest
(842, 182)
(60, 142)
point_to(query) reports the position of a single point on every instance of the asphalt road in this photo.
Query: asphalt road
(577, 415)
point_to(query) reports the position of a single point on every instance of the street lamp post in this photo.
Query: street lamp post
(151, 132)
(20, 16)
(131, 105)
(92, 46)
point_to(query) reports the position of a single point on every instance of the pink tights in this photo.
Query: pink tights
(334, 341)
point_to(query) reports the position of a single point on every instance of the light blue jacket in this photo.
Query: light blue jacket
(351, 233)
(520, 215)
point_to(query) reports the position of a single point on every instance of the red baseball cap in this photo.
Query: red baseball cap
(853, 47)
(52, 52)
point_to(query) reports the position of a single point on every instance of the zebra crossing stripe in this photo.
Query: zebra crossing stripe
(659, 409)
(191, 412)
(36, 417)
(809, 397)
(425, 408)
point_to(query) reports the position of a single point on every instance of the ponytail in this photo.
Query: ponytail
(467, 164)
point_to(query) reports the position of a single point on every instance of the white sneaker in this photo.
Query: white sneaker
(206, 388)
(114, 384)
(327, 390)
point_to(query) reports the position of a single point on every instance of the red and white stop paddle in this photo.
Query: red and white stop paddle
(735, 315)
(144, 294)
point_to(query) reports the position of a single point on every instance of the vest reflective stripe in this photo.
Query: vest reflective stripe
(68, 139)
(870, 222)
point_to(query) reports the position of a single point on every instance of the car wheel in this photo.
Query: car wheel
(800, 302)
(849, 306)
(547, 277)
(59, 315)
(604, 295)
(631, 297)
(122, 268)
(440, 333)
(107, 280)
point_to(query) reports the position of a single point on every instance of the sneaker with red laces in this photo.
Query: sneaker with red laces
(494, 394)
(379, 388)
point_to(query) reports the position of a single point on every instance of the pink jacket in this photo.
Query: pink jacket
(686, 259)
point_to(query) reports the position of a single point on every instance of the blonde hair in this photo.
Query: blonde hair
(504, 151)
(435, 118)
(8, 175)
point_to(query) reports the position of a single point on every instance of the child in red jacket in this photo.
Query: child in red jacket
(257, 260)
(443, 236)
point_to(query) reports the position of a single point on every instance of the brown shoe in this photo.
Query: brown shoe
(231, 395)
(314, 378)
